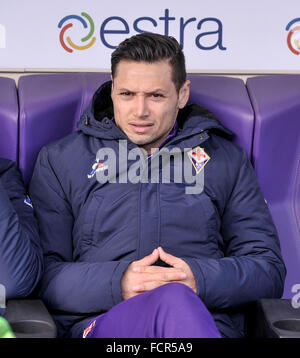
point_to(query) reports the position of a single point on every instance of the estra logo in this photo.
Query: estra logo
(2, 37)
(293, 37)
(67, 22)
(206, 33)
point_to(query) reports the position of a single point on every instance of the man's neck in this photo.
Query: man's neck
(150, 151)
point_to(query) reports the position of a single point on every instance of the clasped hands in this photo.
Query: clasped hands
(142, 276)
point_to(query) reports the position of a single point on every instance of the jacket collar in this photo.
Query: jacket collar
(97, 119)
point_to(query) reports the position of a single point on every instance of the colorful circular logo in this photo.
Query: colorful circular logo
(293, 37)
(64, 28)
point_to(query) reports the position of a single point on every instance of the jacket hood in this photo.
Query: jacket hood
(97, 119)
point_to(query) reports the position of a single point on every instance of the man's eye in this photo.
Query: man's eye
(157, 95)
(126, 94)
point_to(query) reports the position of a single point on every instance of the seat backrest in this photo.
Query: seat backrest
(9, 116)
(50, 107)
(276, 158)
(228, 99)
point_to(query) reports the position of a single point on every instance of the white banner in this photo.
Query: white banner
(220, 36)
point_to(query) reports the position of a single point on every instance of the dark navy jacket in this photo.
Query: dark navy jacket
(91, 231)
(21, 258)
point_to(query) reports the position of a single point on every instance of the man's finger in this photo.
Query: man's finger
(157, 273)
(147, 286)
(155, 269)
(148, 260)
(168, 258)
(177, 262)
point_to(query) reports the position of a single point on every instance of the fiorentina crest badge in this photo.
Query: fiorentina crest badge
(199, 158)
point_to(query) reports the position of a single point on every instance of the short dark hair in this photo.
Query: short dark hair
(150, 47)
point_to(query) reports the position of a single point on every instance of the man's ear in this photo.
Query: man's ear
(184, 94)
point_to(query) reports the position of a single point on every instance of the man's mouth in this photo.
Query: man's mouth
(141, 127)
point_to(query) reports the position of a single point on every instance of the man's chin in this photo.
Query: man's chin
(145, 142)
(140, 141)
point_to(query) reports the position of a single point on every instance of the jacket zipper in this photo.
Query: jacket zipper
(203, 137)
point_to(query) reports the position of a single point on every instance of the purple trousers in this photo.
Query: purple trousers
(169, 311)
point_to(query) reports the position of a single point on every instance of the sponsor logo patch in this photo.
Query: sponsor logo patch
(28, 202)
(88, 329)
(98, 166)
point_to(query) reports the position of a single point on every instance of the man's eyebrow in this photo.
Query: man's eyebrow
(123, 89)
(156, 90)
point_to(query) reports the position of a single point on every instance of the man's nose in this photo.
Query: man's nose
(141, 107)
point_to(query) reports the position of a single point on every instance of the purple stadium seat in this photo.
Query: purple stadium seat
(9, 112)
(50, 107)
(25, 314)
(228, 99)
(276, 156)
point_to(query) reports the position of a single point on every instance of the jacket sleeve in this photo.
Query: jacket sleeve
(20, 251)
(252, 266)
(68, 285)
